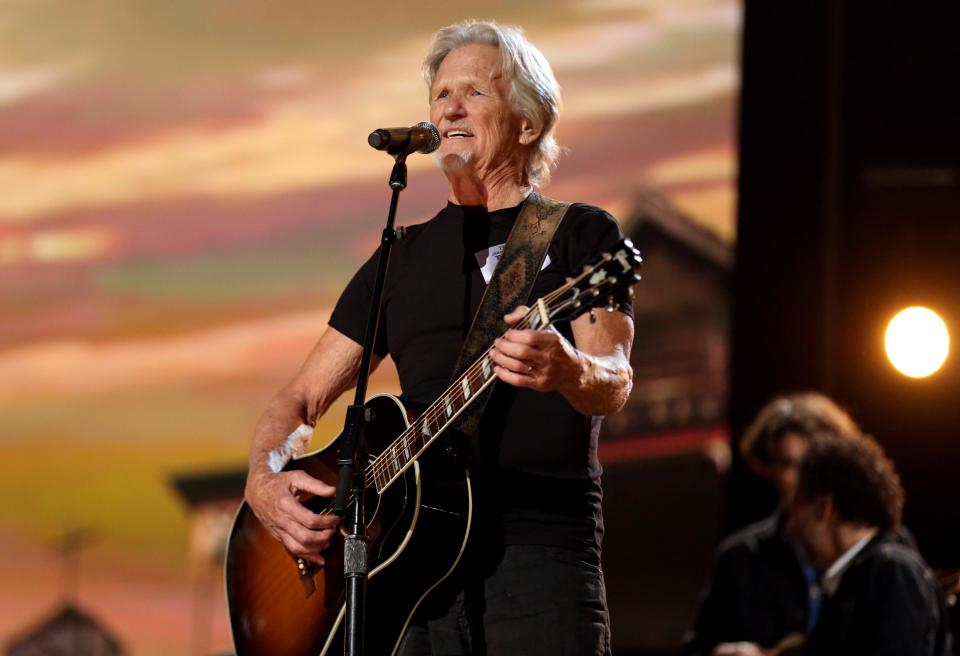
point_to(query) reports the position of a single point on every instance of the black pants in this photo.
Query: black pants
(537, 600)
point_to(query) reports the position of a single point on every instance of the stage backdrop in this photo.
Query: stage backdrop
(185, 186)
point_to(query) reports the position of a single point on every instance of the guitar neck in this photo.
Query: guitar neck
(397, 458)
(579, 294)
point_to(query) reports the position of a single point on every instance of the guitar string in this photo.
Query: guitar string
(379, 464)
(375, 468)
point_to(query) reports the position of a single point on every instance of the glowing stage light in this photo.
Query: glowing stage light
(917, 342)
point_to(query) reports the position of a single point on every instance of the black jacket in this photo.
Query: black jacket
(757, 592)
(888, 602)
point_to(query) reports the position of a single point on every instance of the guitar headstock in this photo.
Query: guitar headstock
(603, 283)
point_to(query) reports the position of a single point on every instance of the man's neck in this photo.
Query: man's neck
(493, 192)
(847, 535)
(848, 541)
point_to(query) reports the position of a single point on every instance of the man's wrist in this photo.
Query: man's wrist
(295, 444)
(576, 384)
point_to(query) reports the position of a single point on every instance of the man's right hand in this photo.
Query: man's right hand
(276, 499)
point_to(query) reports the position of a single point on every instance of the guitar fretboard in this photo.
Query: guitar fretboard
(395, 459)
(412, 442)
(580, 293)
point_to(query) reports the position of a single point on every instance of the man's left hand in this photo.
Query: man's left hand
(541, 360)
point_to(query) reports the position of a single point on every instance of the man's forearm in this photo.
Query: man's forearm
(330, 369)
(276, 496)
(276, 437)
(603, 385)
(594, 376)
(604, 377)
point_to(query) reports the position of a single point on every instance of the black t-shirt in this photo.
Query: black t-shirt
(537, 468)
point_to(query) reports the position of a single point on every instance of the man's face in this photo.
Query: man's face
(786, 464)
(808, 524)
(470, 104)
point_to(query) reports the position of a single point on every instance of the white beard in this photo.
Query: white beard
(452, 161)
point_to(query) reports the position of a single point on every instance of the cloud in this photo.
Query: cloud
(285, 77)
(57, 246)
(660, 93)
(592, 45)
(714, 164)
(316, 138)
(19, 84)
(312, 136)
(73, 368)
(673, 13)
(291, 148)
(299, 144)
(714, 206)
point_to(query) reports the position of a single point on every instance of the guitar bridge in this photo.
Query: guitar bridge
(306, 570)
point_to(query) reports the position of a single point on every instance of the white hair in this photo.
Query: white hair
(534, 92)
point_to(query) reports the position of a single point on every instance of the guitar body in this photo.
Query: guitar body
(417, 532)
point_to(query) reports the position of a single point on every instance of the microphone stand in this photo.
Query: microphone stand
(352, 456)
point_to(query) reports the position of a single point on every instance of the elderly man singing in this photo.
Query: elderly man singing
(531, 580)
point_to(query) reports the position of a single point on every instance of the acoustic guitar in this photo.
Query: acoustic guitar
(418, 501)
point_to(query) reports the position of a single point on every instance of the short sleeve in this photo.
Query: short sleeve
(351, 312)
(591, 232)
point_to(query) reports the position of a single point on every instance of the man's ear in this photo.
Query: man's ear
(529, 132)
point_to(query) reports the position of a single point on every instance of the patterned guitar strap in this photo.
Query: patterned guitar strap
(510, 285)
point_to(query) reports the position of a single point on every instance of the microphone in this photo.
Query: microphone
(423, 138)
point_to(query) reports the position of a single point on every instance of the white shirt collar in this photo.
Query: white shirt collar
(831, 580)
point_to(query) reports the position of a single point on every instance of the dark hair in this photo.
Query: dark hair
(807, 413)
(859, 477)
